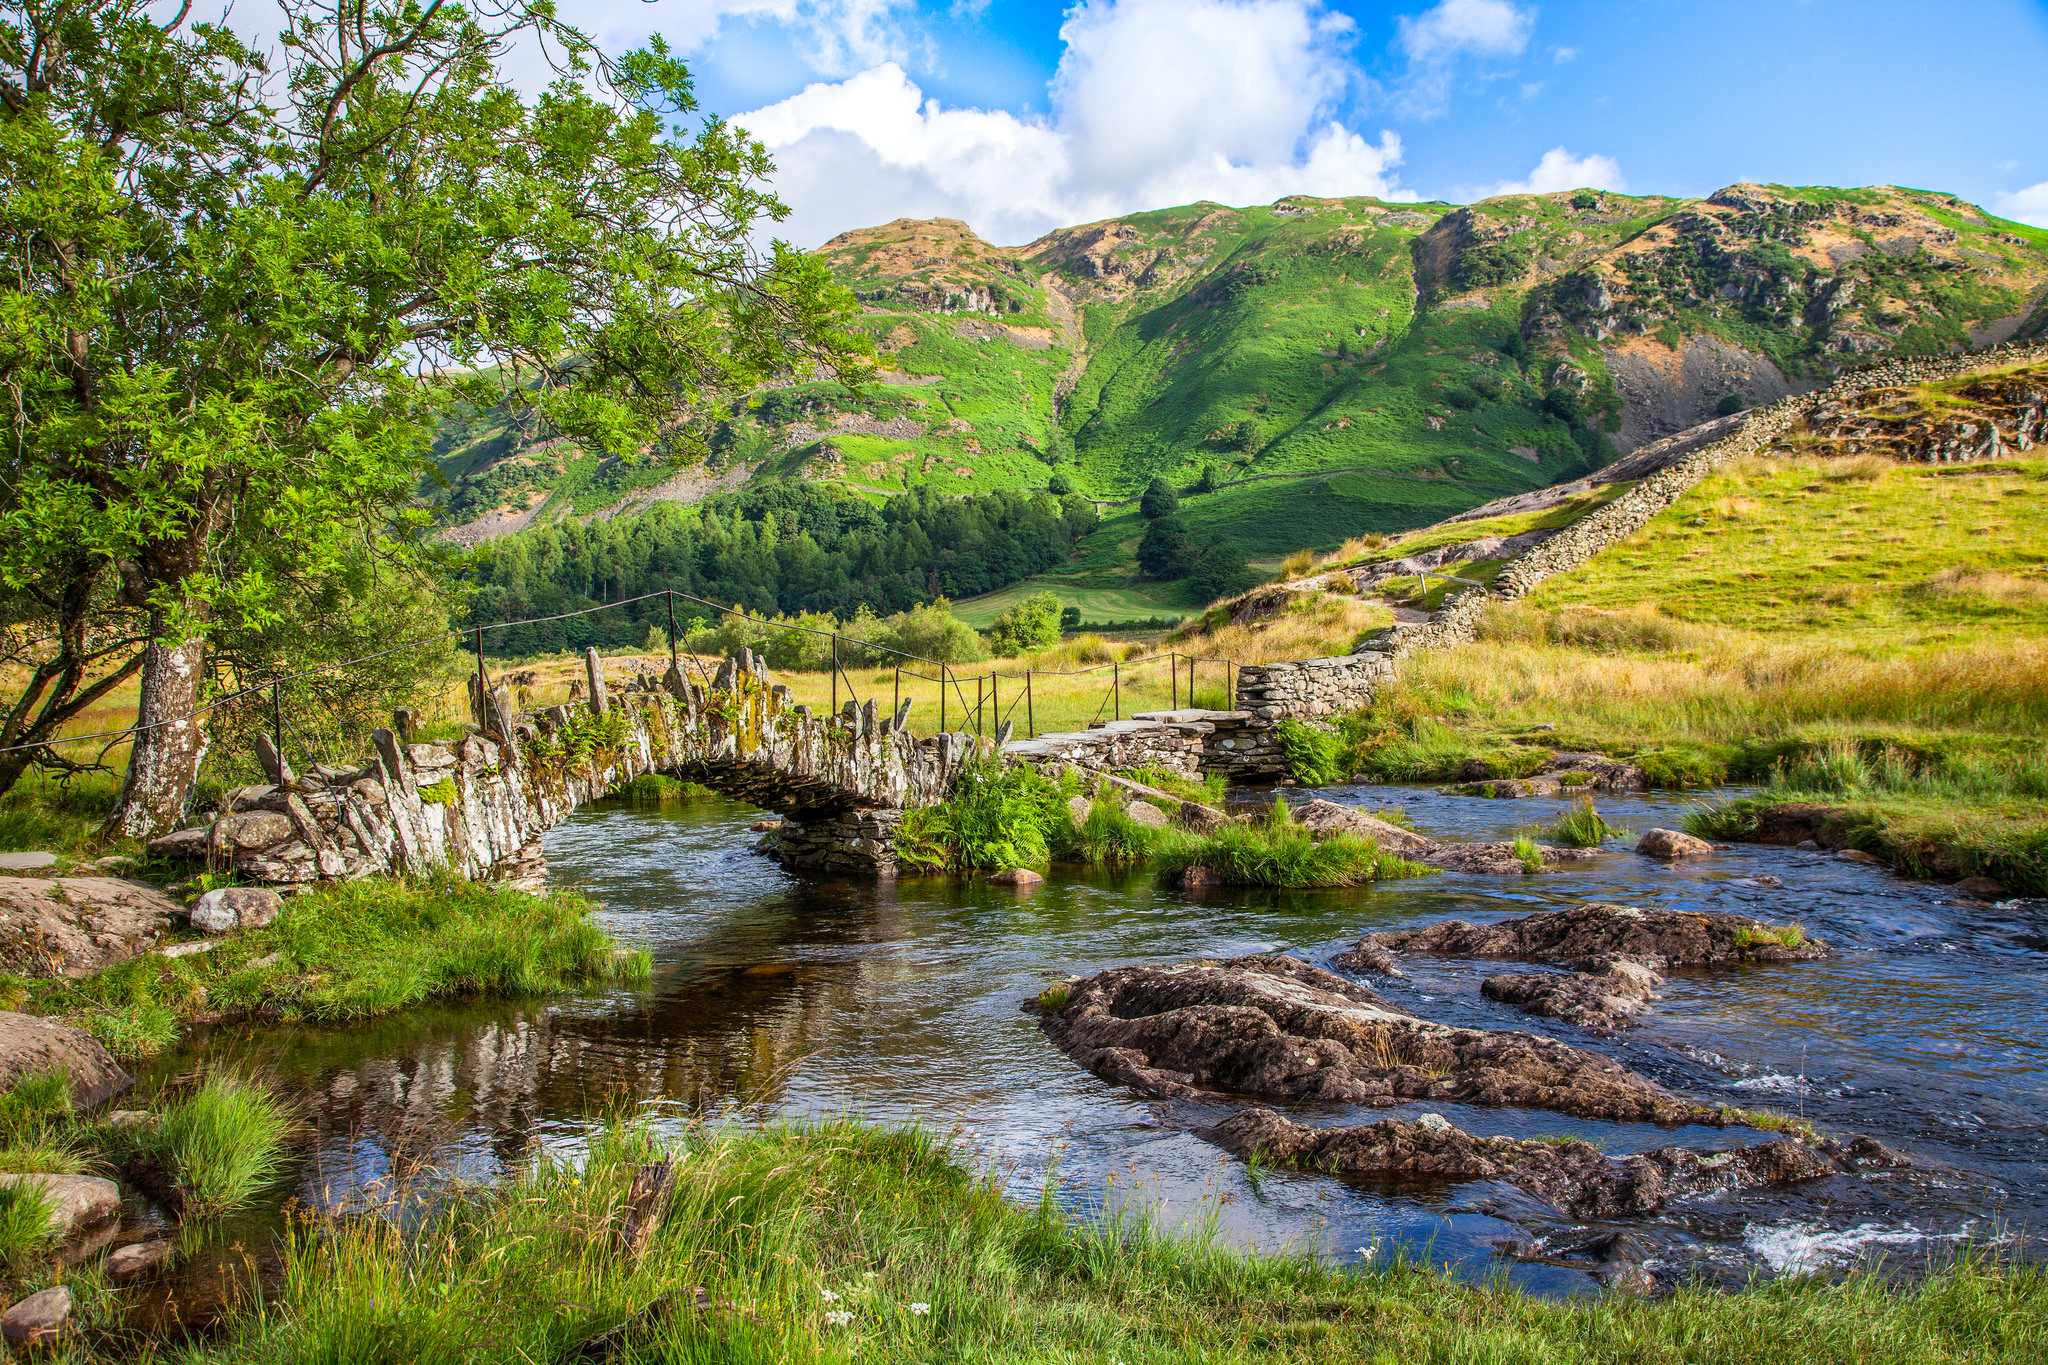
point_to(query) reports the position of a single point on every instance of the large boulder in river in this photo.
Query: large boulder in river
(1574, 1177)
(1673, 845)
(1275, 1026)
(74, 1201)
(71, 926)
(1324, 818)
(31, 1045)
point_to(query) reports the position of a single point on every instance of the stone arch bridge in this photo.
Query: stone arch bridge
(478, 806)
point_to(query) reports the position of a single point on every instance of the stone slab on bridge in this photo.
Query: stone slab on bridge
(478, 806)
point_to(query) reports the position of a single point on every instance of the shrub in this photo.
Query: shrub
(1315, 757)
(1528, 854)
(1033, 623)
(929, 632)
(221, 1145)
(1681, 769)
(999, 816)
(1108, 836)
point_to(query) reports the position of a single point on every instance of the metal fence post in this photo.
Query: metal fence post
(835, 675)
(277, 726)
(995, 699)
(1173, 671)
(672, 632)
(1116, 687)
(483, 687)
(1030, 719)
(942, 699)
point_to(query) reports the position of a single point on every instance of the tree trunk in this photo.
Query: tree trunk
(170, 742)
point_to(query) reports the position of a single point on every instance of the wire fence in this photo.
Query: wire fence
(986, 714)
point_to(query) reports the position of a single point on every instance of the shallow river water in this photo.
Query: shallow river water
(779, 995)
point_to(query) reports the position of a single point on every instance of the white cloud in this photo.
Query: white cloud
(1489, 28)
(2029, 205)
(1155, 102)
(1561, 55)
(1560, 170)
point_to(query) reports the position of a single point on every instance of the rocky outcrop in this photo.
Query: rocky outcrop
(72, 926)
(33, 1046)
(1573, 1177)
(1491, 859)
(1616, 953)
(1279, 1028)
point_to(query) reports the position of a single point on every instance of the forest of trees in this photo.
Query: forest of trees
(776, 549)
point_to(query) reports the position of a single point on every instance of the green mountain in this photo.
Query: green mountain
(1336, 366)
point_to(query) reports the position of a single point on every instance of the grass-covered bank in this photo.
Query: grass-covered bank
(840, 1242)
(343, 952)
(1012, 815)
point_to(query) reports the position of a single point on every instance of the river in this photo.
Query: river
(777, 996)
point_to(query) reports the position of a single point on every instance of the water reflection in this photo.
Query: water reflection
(774, 995)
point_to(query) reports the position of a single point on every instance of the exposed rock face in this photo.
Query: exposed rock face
(75, 1201)
(71, 926)
(1673, 845)
(1277, 1027)
(31, 1045)
(1616, 952)
(1325, 818)
(1576, 1178)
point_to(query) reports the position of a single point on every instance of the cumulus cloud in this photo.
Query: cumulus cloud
(1488, 28)
(1155, 102)
(2029, 205)
(1560, 170)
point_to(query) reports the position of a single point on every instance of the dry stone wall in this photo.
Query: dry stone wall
(1312, 689)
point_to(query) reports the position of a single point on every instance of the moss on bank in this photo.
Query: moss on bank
(842, 1242)
(343, 952)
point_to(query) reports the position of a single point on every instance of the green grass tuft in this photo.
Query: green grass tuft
(221, 1145)
(1276, 852)
(1528, 854)
(1582, 827)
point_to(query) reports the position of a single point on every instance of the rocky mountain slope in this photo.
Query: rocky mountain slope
(1336, 365)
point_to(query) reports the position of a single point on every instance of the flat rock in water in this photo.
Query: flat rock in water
(1016, 876)
(1982, 888)
(38, 1319)
(1605, 1000)
(1573, 1177)
(75, 1201)
(72, 926)
(1583, 936)
(31, 1045)
(1857, 855)
(128, 1262)
(1673, 845)
(1275, 1026)
(1500, 859)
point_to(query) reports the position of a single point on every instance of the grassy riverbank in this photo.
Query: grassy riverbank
(841, 1242)
(343, 952)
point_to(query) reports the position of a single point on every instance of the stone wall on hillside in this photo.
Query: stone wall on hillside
(1312, 689)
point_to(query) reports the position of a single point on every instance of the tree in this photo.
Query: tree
(1167, 550)
(1246, 436)
(1159, 500)
(1207, 482)
(1220, 571)
(238, 300)
(1033, 623)
(1070, 618)
(1059, 485)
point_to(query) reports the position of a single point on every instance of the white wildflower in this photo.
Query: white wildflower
(828, 1296)
(838, 1319)
(920, 1310)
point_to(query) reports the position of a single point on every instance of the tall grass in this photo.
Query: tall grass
(1277, 852)
(25, 1222)
(221, 1145)
(837, 1242)
(1582, 826)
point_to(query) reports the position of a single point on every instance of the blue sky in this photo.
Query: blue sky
(1022, 115)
